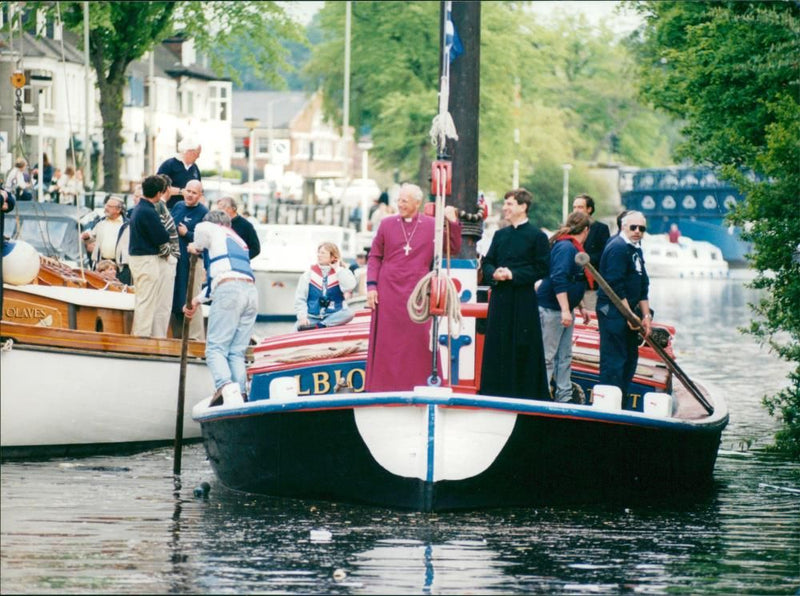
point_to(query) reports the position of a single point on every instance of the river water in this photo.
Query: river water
(124, 525)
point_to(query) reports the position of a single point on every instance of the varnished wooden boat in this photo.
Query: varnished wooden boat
(75, 382)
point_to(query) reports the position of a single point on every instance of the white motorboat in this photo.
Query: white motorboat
(686, 258)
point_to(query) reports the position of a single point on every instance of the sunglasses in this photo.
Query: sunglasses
(634, 227)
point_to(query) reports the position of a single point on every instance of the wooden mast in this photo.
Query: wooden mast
(464, 107)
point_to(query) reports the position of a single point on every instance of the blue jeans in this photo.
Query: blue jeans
(340, 317)
(231, 320)
(557, 342)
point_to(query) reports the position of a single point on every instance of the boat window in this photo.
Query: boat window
(730, 202)
(46, 236)
(672, 254)
(668, 202)
(648, 202)
(710, 202)
(655, 252)
(689, 202)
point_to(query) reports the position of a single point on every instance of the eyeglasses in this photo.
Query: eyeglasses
(634, 227)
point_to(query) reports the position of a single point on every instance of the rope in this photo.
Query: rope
(443, 126)
(7, 345)
(323, 354)
(419, 304)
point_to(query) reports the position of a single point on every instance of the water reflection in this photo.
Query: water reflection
(411, 566)
(122, 524)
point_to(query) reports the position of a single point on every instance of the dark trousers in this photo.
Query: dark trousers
(619, 352)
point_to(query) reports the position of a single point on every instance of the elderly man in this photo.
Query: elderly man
(187, 214)
(234, 304)
(622, 266)
(594, 244)
(241, 226)
(181, 169)
(106, 231)
(399, 353)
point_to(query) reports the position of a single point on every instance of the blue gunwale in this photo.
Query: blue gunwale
(545, 409)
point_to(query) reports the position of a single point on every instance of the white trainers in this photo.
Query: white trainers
(232, 395)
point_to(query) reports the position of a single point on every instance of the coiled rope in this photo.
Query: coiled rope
(419, 303)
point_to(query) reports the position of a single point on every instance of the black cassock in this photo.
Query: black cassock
(513, 355)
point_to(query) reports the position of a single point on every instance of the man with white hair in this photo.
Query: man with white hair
(399, 353)
(622, 266)
(181, 169)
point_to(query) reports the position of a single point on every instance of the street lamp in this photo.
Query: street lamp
(365, 144)
(251, 124)
(565, 204)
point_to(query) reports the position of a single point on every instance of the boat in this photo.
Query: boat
(289, 251)
(75, 382)
(310, 431)
(54, 230)
(695, 198)
(686, 258)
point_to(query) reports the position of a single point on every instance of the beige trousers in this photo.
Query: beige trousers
(166, 285)
(197, 329)
(145, 272)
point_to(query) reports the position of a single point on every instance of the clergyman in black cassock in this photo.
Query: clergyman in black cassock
(513, 354)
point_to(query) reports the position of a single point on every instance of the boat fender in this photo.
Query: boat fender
(283, 388)
(20, 263)
(202, 490)
(607, 398)
(657, 404)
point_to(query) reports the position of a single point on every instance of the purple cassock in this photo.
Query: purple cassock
(399, 355)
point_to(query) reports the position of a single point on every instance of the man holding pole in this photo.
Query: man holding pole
(622, 267)
(232, 317)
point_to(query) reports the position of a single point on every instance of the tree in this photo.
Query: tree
(730, 70)
(122, 32)
(568, 105)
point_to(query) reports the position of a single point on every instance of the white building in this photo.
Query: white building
(168, 96)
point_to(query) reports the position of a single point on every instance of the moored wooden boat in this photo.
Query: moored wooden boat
(75, 382)
(448, 448)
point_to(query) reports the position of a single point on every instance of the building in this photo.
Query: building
(170, 94)
(290, 138)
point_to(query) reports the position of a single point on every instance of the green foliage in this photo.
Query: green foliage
(730, 70)
(560, 87)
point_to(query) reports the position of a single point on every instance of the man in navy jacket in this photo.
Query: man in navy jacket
(622, 266)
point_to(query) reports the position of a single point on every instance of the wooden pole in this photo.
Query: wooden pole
(176, 468)
(464, 106)
(582, 259)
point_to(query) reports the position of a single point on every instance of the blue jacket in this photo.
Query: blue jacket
(147, 230)
(622, 266)
(565, 276)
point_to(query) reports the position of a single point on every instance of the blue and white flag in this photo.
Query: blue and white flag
(452, 42)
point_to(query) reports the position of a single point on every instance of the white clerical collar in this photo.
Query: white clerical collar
(518, 224)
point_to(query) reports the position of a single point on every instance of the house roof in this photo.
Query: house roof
(255, 104)
(43, 47)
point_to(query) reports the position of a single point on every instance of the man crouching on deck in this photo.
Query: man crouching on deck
(234, 304)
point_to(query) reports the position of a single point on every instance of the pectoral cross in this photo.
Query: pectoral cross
(407, 248)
